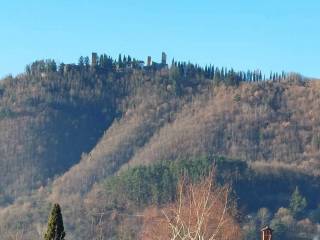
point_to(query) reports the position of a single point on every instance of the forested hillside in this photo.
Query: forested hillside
(109, 138)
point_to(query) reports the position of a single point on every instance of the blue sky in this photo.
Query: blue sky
(244, 34)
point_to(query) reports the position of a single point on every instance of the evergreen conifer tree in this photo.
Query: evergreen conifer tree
(55, 230)
(298, 203)
(120, 60)
(87, 62)
(81, 62)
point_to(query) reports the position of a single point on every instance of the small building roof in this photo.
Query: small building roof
(266, 228)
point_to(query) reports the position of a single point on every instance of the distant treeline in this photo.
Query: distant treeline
(179, 71)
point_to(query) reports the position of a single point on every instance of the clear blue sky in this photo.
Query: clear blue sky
(258, 34)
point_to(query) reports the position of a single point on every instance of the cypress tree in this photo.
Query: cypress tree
(120, 60)
(87, 62)
(81, 62)
(101, 61)
(55, 230)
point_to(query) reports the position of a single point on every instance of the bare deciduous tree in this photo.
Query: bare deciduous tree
(202, 211)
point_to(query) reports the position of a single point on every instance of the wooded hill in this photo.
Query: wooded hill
(68, 132)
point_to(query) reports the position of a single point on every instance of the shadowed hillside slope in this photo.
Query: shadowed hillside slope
(48, 119)
(148, 112)
(45, 125)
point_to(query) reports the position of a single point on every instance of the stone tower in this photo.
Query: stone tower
(164, 58)
(149, 61)
(94, 58)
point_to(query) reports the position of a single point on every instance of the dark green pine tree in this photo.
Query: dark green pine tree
(81, 62)
(120, 61)
(87, 62)
(55, 230)
(298, 203)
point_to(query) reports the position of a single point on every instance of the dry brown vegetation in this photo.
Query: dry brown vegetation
(271, 125)
(272, 122)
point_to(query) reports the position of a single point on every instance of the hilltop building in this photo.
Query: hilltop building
(157, 66)
(141, 64)
(94, 59)
(126, 66)
(164, 58)
(149, 62)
